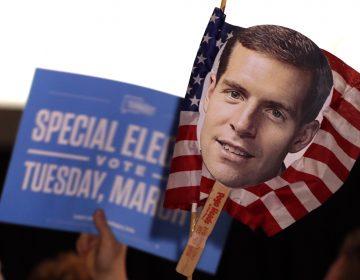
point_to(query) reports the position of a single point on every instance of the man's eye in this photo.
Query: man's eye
(235, 94)
(277, 114)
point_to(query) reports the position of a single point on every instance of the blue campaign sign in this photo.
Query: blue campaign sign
(87, 143)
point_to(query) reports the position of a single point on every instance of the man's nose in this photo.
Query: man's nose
(245, 122)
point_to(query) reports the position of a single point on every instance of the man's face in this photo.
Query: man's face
(253, 118)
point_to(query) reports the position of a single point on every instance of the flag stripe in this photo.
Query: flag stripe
(206, 184)
(277, 210)
(260, 190)
(178, 179)
(346, 110)
(321, 153)
(315, 185)
(243, 197)
(186, 148)
(269, 224)
(277, 182)
(327, 140)
(343, 128)
(188, 118)
(291, 202)
(305, 195)
(253, 215)
(188, 194)
(186, 132)
(184, 163)
(352, 93)
(319, 170)
(349, 74)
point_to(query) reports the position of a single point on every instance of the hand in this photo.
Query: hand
(103, 255)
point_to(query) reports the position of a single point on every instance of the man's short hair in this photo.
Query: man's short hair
(290, 47)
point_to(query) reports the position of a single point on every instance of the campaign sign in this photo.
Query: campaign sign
(87, 143)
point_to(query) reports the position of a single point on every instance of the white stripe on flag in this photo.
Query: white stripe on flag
(188, 118)
(277, 183)
(320, 170)
(339, 83)
(350, 94)
(327, 140)
(353, 97)
(186, 148)
(243, 197)
(306, 197)
(343, 127)
(184, 179)
(277, 210)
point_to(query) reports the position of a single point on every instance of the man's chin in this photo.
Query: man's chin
(236, 181)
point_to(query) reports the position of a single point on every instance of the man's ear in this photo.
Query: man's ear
(304, 136)
(209, 91)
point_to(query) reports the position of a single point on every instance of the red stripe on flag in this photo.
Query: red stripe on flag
(348, 73)
(240, 212)
(315, 184)
(326, 156)
(270, 225)
(259, 190)
(254, 215)
(186, 132)
(346, 110)
(186, 163)
(181, 197)
(206, 184)
(291, 202)
(349, 148)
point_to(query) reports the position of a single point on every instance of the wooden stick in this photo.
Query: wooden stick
(203, 228)
(223, 5)
(192, 224)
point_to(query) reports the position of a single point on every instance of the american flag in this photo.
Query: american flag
(305, 185)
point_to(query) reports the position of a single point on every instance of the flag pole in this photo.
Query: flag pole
(193, 216)
(222, 5)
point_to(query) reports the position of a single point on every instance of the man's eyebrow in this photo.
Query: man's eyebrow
(235, 85)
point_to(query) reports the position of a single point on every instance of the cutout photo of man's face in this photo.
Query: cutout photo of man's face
(254, 117)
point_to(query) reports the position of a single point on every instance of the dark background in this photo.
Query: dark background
(303, 251)
(22, 247)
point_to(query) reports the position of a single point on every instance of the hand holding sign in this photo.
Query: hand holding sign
(103, 255)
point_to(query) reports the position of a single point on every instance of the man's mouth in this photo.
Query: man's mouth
(237, 150)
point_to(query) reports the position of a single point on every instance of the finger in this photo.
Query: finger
(102, 225)
(85, 243)
(82, 244)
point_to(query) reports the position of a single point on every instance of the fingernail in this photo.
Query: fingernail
(99, 212)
